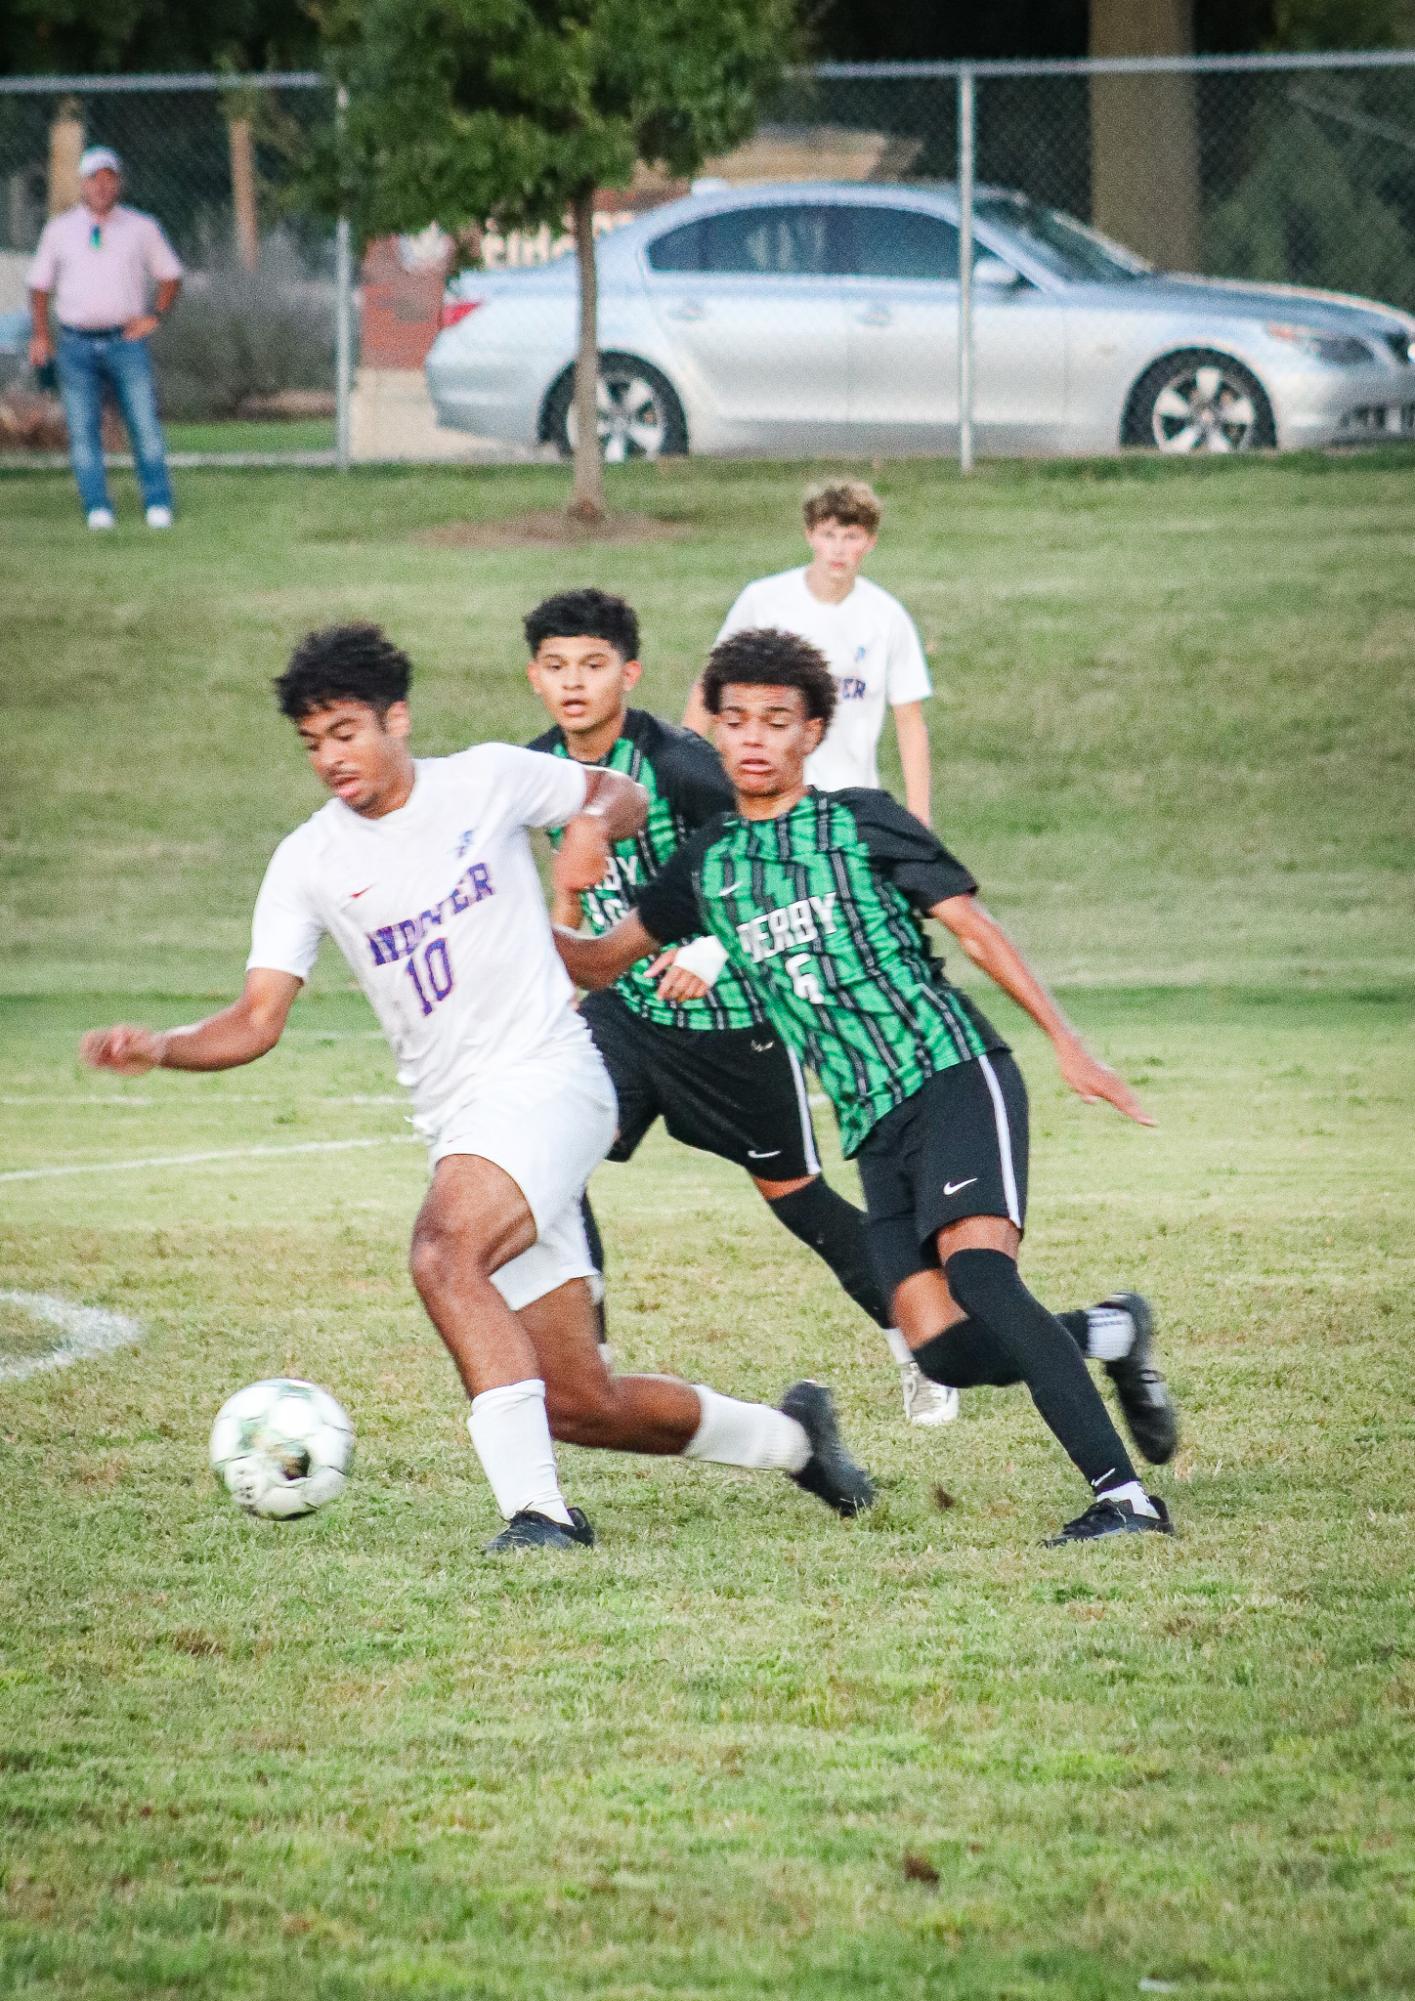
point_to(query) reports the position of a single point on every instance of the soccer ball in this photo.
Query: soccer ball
(282, 1448)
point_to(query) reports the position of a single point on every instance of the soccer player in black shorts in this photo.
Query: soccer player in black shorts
(818, 900)
(700, 1054)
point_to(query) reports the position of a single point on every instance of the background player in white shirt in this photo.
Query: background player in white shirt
(867, 637)
(423, 874)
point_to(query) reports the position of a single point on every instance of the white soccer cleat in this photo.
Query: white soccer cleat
(927, 1403)
(100, 517)
(156, 517)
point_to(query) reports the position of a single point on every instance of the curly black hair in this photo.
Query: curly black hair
(764, 657)
(587, 614)
(343, 663)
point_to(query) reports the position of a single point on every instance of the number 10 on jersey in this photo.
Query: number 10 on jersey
(434, 983)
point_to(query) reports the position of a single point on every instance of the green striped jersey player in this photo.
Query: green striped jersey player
(705, 1058)
(819, 900)
(686, 786)
(816, 902)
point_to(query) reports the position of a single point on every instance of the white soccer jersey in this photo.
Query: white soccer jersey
(874, 653)
(438, 909)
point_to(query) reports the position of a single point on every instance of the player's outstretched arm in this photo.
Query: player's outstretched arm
(599, 962)
(990, 948)
(615, 808)
(249, 1028)
(913, 734)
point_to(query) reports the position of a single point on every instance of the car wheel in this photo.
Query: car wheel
(1198, 401)
(639, 415)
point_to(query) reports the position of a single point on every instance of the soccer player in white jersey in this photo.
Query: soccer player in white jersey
(868, 639)
(422, 872)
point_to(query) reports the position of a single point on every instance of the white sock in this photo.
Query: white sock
(512, 1440)
(899, 1347)
(1110, 1333)
(1135, 1494)
(746, 1434)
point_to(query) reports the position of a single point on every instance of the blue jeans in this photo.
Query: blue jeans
(86, 362)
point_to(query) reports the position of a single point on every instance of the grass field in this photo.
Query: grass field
(300, 434)
(742, 1751)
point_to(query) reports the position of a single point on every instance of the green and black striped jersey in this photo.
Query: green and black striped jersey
(820, 908)
(686, 786)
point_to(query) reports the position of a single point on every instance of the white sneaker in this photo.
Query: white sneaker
(100, 517)
(926, 1402)
(157, 517)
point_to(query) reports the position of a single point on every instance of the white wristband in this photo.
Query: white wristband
(704, 957)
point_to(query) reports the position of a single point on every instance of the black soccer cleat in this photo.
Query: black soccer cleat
(830, 1473)
(1150, 1415)
(1106, 1517)
(528, 1530)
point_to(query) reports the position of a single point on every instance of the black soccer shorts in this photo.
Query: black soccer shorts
(957, 1147)
(735, 1092)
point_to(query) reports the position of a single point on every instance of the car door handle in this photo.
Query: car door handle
(688, 309)
(875, 316)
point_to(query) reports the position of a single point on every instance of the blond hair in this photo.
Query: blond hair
(851, 502)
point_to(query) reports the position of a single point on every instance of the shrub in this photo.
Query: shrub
(238, 335)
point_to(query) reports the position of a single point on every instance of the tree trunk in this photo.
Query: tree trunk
(66, 143)
(241, 145)
(587, 499)
(1144, 147)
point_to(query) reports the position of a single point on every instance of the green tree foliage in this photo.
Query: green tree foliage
(88, 37)
(1340, 24)
(516, 111)
(1306, 214)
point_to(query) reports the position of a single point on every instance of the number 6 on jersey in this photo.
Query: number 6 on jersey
(803, 981)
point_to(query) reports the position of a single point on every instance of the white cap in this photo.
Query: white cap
(94, 157)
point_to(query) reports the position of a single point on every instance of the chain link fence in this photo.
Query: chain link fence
(247, 363)
(1288, 172)
(1008, 301)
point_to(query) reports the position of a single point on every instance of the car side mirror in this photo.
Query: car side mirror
(990, 274)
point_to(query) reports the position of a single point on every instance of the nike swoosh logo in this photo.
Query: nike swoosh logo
(355, 894)
(727, 889)
(953, 1187)
(752, 1153)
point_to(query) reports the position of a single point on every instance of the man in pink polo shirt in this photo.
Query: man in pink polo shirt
(99, 262)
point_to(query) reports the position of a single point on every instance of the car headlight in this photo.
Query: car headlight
(1337, 350)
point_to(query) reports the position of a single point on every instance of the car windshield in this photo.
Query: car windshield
(1066, 247)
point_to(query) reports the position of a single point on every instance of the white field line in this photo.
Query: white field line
(201, 1159)
(83, 1330)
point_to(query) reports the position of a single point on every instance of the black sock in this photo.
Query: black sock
(970, 1352)
(592, 1236)
(1077, 1326)
(835, 1230)
(967, 1357)
(989, 1285)
(596, 1244)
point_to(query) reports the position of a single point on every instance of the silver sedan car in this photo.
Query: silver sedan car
(812, 318)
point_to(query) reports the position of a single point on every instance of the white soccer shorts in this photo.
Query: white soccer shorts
(548, 1124)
